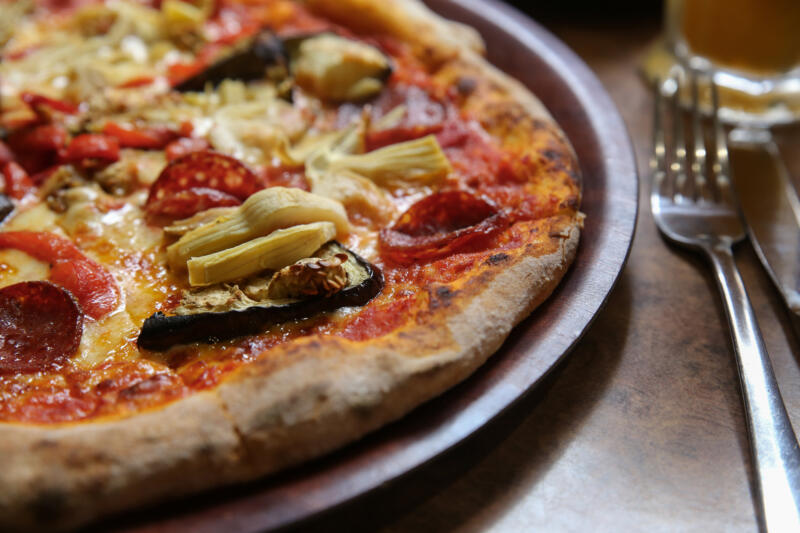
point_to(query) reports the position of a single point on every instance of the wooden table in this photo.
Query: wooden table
(641, 427)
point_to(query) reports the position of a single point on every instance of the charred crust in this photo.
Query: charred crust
(44, 444)
(496, 259)
(571, 202)
(144, 387)
(552, 155)
(6, 207)
(466, 85)
(441, 296)
(49, 506)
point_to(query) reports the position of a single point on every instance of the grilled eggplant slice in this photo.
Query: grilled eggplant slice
(6, 207)
(327, 65)
(260, 57)
(247, 316)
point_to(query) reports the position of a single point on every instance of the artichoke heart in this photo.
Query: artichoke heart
(356, 192)
(337, 69)
(273, 252)
(224, 311)
(419, 161)
(184, 226)
(338, 170)
(180, 13)
(261, 214)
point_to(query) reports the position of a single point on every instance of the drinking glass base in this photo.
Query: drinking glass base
(757, 101)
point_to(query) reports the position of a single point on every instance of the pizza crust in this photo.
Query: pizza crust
(325, 393)
(57, 478)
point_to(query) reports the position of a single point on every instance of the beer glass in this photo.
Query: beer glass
(750, 47)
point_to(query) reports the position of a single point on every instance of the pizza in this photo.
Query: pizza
(237, 235)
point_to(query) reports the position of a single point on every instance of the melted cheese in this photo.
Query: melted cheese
(111, 338)
(16, 267)
(33, 218)
(253, 131)
(123, 240)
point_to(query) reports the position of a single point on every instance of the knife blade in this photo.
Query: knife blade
(771, 208)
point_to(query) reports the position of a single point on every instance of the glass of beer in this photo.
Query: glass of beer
(750, 47)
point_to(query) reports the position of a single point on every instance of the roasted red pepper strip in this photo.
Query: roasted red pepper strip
(41, 138)
(17, 181)
(40, 327)
(91, 146)
(150, 138)
(442, 224)
(35, 100)
(141, 81)
(177, 72)
(87, 280)
(36, 147)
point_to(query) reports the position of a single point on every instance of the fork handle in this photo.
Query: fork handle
(772, 441)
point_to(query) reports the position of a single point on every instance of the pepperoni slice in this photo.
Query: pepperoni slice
(184, 204)
(40, 326)
(423, 116)
(150, 138)
(92, 285)
(202, 170)
(442, 224)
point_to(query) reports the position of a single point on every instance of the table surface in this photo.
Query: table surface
(641, 427)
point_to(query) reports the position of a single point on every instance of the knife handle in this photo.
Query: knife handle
(773, 444)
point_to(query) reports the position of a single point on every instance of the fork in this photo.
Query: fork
(695, 206)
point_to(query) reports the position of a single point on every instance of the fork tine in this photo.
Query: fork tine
(683, 186)
(658, 160)
(702, 189)
(721, 168)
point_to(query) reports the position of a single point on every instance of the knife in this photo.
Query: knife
(771, 209)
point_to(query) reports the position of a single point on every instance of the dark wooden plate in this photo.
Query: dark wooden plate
(583, 109)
